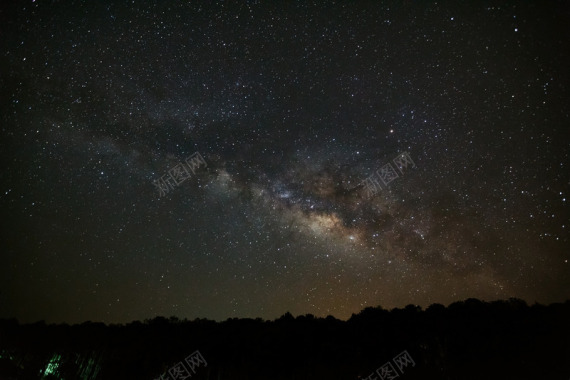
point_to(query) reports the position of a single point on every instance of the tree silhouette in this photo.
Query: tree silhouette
(470, 339)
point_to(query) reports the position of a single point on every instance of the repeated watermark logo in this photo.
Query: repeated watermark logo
(179, 174)
(181, 371)
(387, 370)
(387, 174)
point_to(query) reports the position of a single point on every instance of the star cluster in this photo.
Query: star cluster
(293, 107)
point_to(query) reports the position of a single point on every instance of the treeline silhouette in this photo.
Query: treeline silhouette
(467, 340)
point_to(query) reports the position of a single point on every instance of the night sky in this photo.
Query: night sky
(294, 110)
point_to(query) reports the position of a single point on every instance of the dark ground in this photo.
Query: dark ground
(467, 340)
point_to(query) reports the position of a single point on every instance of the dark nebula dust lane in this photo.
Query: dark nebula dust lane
(245, 160)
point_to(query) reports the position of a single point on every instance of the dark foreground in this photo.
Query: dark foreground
(467, 340)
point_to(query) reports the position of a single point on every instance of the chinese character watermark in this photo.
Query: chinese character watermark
(181, 371)
(403, 360)
(387, 173)
(179, 174)
(388, 372)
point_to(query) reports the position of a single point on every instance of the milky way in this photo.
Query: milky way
(294, 108)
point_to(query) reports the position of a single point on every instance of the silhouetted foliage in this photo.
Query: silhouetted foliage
(470, 339)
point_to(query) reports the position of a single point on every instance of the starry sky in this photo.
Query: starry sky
(291, 108)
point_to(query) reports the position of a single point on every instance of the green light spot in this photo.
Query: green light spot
(53, 365)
